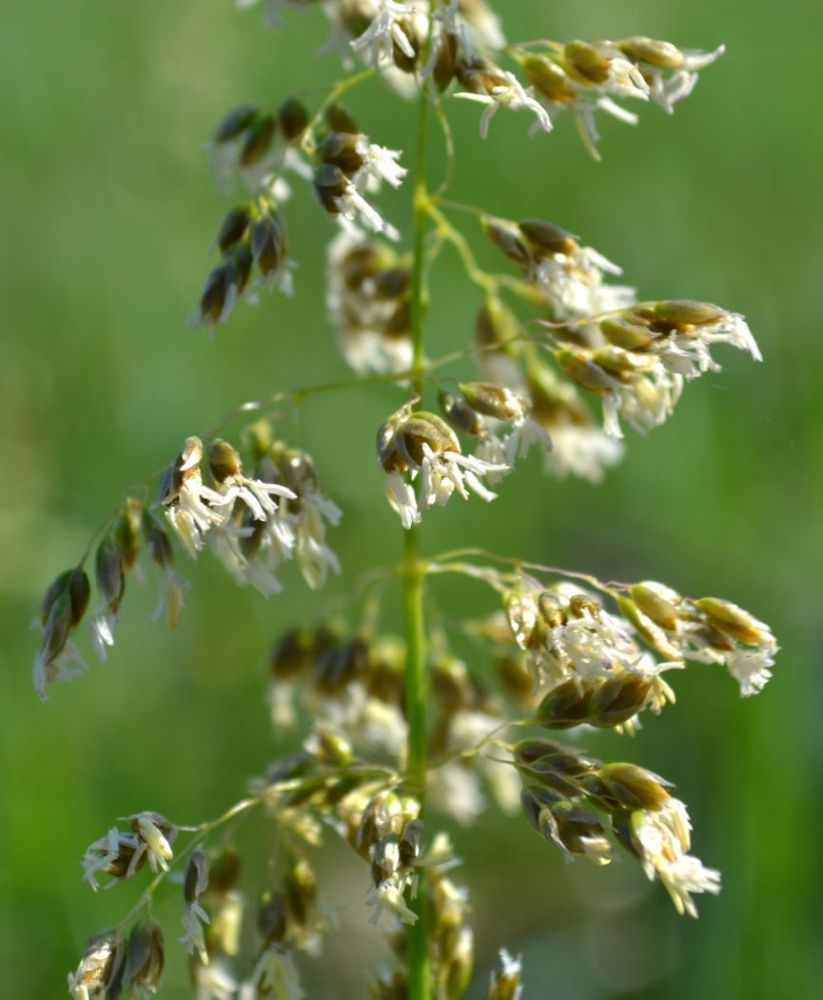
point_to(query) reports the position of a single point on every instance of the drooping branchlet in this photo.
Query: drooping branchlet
(642, 355)
(586, 78)
(708, 629)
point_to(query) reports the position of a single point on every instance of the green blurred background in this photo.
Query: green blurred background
(108, 213)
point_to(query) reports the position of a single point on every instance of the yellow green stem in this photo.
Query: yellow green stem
(490, 283)
(340, 88)
(419, 982)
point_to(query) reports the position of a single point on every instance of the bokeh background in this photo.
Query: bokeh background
(108, 213)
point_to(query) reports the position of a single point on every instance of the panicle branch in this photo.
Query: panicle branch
(252, 524)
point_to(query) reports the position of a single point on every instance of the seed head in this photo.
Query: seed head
(682, 314)
(109, 573)
(622, 332)
(497, 401)
(552, 766)
(554, 611)
(339, 120)
(515, 676)
(424, 430)
(586, 63)
(233, 228)
(237, 121)
(508, 238)
(272, 917)
(452, 684)
(157, 540)
(618, 699)
(506, 983)
(219, 293)
(145, 957)
(127, 531)
(460, 414)
(224, 460)
(259, 137)
(196, 879)
(547, 77)
(446, 60)
(734, 621)
(619, 787)
(657, 602)
(545, 239)
(565, 706)
(61, 610)
(224, 872)
(268, 243)
(343, 150)
(100, 971)
(331, 185)
(75, 585)
(648, 50)
(292, 118)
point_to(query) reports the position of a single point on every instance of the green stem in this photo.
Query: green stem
(421, 216)
(340, 88)
(417, 749)
(416, 680)
(419, 983)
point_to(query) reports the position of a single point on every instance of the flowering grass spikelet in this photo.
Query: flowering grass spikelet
(122, 853)
(662, 838)
(367, 301)
(424, 446)
(385, 32)
(495, 88)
